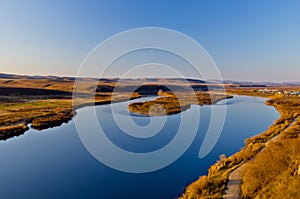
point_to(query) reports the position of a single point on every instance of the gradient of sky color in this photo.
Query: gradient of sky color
(249, 40)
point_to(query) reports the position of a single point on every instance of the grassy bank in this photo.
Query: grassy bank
(173, 103)
(19, 111)
(214, 184)
(46, 102)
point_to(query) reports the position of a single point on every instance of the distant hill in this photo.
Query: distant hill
(153, 80)
(57, 78)
(253, 83)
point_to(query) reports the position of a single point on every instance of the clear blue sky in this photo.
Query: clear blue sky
(249, 40)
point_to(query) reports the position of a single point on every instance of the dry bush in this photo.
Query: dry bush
(270, 172)
(213, 186)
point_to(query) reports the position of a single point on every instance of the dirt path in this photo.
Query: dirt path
(236, 176)
(234, 183)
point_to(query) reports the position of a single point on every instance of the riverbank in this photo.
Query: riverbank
(42, 112)
(214, 184)
(46, 101)
(235, 178)
(173, 103)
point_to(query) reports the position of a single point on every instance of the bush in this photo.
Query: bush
(266, 174)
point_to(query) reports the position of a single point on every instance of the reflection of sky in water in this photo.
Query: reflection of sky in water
(54, 164)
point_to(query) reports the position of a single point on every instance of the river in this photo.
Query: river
(53, 163)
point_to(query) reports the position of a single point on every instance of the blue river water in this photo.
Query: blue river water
(53, 163)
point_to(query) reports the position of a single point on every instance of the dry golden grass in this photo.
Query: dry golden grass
(49, 112)
(37, 83)
(214, 184)
(174, 103)
(47, 102)
(12, 130)
(274, 173)
(14, 127)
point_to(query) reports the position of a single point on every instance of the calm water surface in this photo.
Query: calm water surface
(53, 163)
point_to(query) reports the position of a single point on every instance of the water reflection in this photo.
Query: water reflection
(54, 164)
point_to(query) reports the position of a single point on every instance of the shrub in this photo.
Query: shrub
(266, 174)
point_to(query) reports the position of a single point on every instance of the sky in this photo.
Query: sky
(255, 40)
